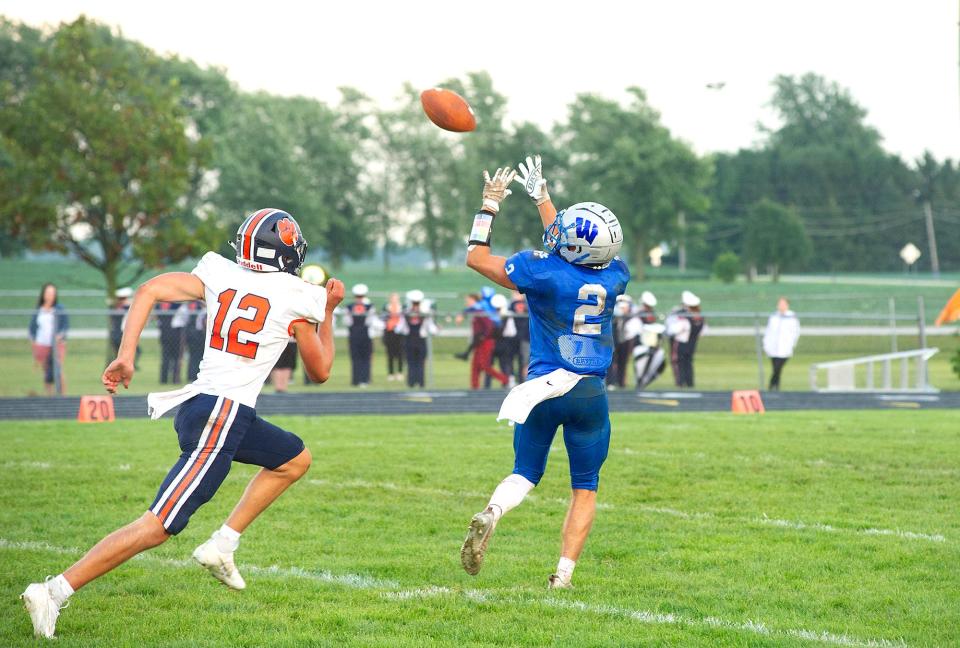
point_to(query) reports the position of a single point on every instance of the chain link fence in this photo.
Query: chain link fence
(729, 353)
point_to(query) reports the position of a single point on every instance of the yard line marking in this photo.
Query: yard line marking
(42, 465)
(355, 581)
(652, 618)
(359, 581)
(754, 627)
(816, 526)
(420, 592)
(646, 508)
(29, 545)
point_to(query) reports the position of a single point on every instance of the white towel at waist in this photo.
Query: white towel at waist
(159, 403)
(523, 398)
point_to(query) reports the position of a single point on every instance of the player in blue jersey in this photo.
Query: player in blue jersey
(571, 289)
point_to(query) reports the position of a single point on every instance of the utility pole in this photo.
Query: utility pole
(931, 239)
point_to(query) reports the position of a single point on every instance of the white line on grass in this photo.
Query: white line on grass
(754, 627)
(651, 618)
(358, 581)
(660, 510)
(908, 535)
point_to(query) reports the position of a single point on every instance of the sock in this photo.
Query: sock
(509, 494)
(227, 539)
(565, 569)
(59, 589)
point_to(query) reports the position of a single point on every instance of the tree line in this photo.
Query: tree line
(131, 160)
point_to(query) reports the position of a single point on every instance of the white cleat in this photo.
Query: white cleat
(555, 582)
(219, 564)
(42, 608)
(475, 545)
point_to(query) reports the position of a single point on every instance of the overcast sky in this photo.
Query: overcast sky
(899, 58)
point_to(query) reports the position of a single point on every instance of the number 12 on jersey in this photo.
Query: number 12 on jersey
(588, 291)
(252, 324)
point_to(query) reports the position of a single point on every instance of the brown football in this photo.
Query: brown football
(448, 110)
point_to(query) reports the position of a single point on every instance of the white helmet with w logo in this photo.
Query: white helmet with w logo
(586, 234)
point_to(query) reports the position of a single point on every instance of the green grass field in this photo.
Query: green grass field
(791, 529)
(721, 363)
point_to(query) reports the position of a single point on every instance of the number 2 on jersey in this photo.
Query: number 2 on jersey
(580, 326)
(251, 325)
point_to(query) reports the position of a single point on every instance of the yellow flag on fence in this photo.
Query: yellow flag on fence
(950, 312)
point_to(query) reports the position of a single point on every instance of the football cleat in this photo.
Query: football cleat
(475, 545)
(555, 582)
(42, 608)
(219, 564)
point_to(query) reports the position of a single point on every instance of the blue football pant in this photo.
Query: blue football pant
(585, 417)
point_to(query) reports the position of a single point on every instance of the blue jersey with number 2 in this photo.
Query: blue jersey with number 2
(571, 310)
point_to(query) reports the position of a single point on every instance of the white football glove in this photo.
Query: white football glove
(495, 189)
(531, 177)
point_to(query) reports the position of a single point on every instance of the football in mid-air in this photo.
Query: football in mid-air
(448, 110)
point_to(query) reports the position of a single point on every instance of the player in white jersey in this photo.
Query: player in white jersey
(254, 306)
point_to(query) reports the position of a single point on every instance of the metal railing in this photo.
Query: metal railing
(843, 375)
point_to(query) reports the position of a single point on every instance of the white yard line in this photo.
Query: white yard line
(753, 627)
(358, 581)
(355, 581)
(645, 508)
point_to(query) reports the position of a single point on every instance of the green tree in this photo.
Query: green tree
(624, 158)
(19, 49)
(726, 266)
(295, 154)
(828, 163)
(775, 238)
(495, 144)
(98, 155)
(419, 164)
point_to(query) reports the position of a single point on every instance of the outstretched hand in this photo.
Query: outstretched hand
(119, 372)
(531, 177)
(496, 189)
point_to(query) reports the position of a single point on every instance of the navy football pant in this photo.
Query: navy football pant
(585, 418)
(213, 432)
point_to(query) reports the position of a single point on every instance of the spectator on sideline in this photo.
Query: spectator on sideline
(118, 316)
(392, 340)
(686, 328)
(171, 342)
(358, 321)
(415, 326)
(648, 357)
(481, 341)
(647, 303)
(624, 339)
(780, 339)
(196, 332)
(520, 322)
(48, 334)
(502, 348)
(283, 370)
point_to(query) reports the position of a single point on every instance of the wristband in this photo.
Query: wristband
(482, 228)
